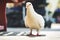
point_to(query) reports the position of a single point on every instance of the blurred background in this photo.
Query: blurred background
(49, 9)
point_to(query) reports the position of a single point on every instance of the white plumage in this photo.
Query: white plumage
(33, 20)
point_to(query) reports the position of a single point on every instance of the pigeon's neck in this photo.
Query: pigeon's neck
(30, 11)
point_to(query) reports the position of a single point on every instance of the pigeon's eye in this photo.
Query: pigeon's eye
(29, 4)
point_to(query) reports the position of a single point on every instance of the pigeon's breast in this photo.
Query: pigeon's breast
(32, 22)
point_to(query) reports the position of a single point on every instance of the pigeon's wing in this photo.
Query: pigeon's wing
(41, 21)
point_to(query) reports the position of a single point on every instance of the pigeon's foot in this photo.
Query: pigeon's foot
(33, 34)
(38, 35)
(29, 34)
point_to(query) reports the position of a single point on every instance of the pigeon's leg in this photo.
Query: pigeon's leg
(30, 34)
(38, 32)
(30, 31)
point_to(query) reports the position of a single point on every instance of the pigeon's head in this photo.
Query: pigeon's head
(29, 5)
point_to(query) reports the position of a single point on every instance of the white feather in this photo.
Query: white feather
(33, 20)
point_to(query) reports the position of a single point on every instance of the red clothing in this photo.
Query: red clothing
(10, 1)
(3, 18)
(2, 14)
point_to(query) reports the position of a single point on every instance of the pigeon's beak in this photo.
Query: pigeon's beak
(28, 5)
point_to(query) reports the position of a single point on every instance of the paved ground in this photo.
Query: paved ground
(49, 35)
(27, 29)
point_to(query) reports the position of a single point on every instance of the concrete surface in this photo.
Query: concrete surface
(49, 35)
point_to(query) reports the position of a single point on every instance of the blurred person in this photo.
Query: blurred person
(15, 17)
(57, 15)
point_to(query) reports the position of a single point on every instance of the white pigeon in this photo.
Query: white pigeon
(32, 19)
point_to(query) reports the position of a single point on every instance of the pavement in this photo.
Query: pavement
(50, 34)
